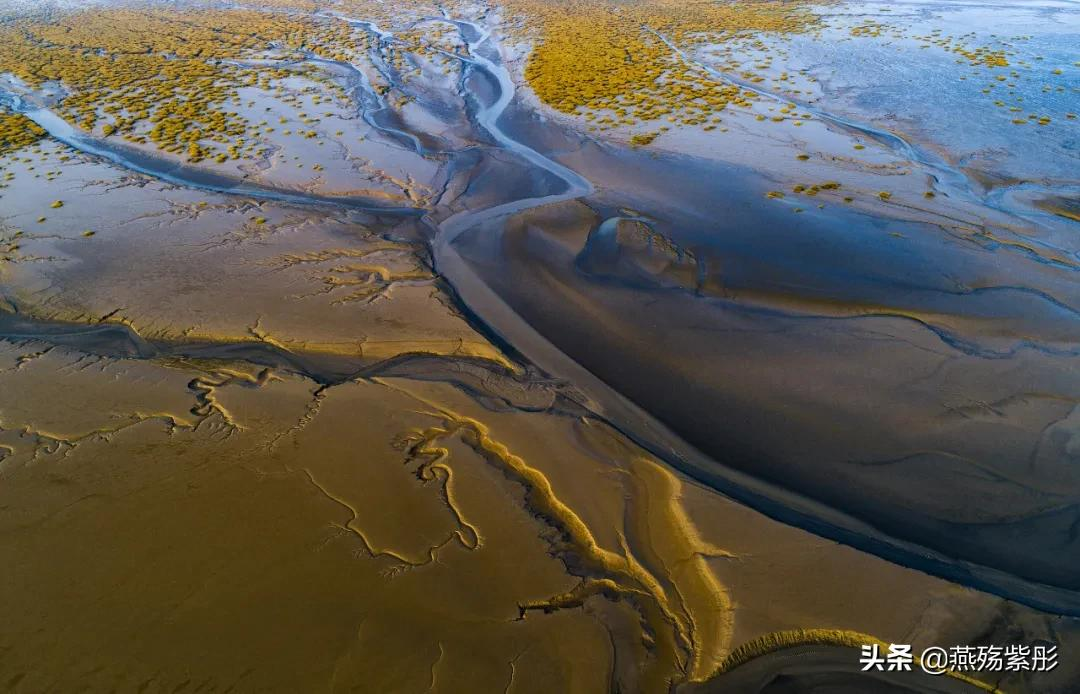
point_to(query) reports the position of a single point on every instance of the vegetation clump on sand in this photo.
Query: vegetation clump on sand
(17, 131)
(163, 76)
(611, 62)
(1003, 64)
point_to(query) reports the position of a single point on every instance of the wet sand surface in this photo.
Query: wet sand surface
(491, 402)
(978, 366)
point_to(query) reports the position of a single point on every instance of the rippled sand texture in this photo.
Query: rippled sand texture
(446, 347)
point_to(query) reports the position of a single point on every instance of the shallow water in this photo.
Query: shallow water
(937, 96)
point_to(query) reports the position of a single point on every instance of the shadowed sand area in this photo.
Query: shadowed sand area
(356, 358)
(778, 369)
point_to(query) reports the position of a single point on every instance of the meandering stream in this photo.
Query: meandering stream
(484, 303)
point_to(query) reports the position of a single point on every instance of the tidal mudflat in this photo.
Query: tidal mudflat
(536, 345)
